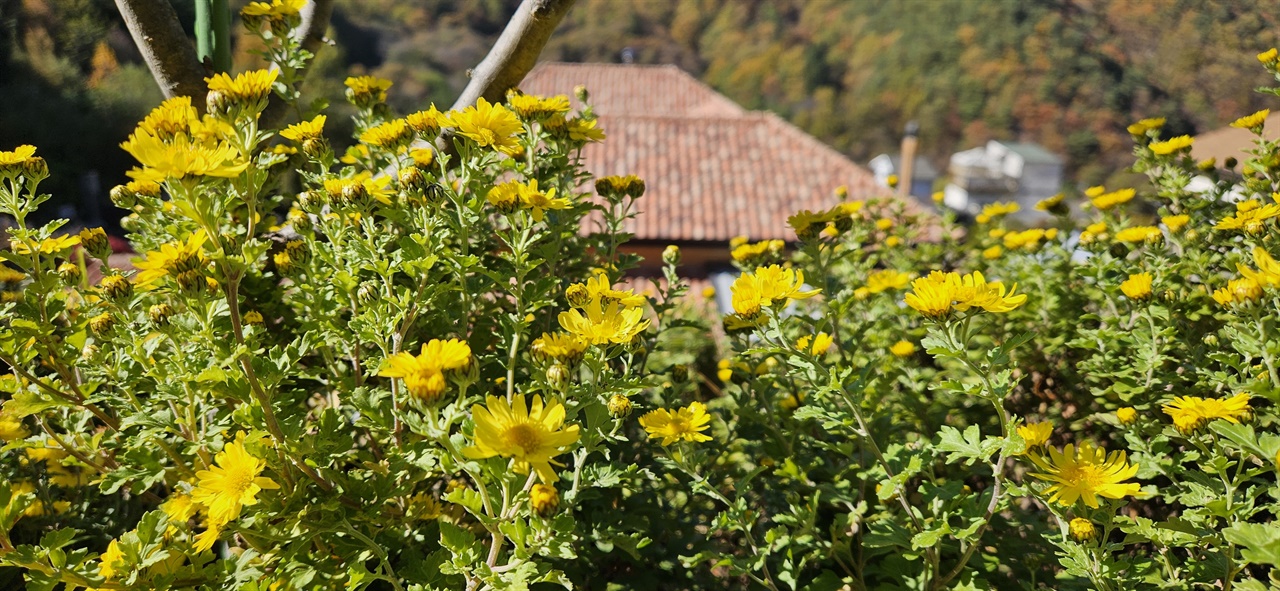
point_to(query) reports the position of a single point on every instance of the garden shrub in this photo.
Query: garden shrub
(395, 368)
(1081, 406)
(403, 368)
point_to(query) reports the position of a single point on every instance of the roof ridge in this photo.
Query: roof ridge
(608, 64)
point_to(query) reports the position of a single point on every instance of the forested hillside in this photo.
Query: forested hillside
(1069, 74)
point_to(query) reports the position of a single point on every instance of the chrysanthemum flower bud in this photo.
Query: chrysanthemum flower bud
(368, 292)
(102, 323)
(35, 168)
(217, 103)
(1127, 415)
(1210, 340)
(191, 281)
(314, 147)
(580, 91)
(1230, 162)
(577, 295)
(115, 287)
(298, 251)
(70, 273)
(557, 376)
(1082, 530)
(300, 221)
(89, 352)
(680, 372)
(671, 255)
(619, 406)
(123, 197)
(160, 314)
(544, 500)
(283, 262)
(253, 317)
(94, 240)
(412, 179)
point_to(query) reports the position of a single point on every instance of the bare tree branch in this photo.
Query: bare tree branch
(315, 22)
(515, 52)
(169, 54)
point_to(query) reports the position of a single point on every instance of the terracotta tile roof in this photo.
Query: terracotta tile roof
(712, 169)
(628, 89)
(715, 178)
(1232, 141)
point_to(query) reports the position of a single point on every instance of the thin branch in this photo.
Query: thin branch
(169, 54)
(515, 52)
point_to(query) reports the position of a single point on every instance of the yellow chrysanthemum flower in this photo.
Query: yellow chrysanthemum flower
(274, 9)
(585, 130)
(53, 245)
(534, 107)
(1238, 292)
(489, 126)
(181, 158)
(1137, 286)
(1171, 145)
(997, 210)
(424, 373)
(903, 349)
(600, 324)
(427, 122)
(1268, 273)
(1190, 413)
(747, 253)
(363, 183)
(1175, 222)
(1026, 239)
(305, 130)
(1035, 434)
(171, 259)
(933, 295)
(768, 286)
(599, 288)
(248, 87)
(938, 293)
(684, 424)
(170, 118)
(389, 135)
(1252, 122)
(1142, 127)
(1050, 203)
(233, 483)
(531, 435)
(1106, 201)
(993, 253)
(366, 90)
(1249, 217)
(563, 347)
(1139, 234)
(886, 279)
(539, 201)
(808, 224)
(1269, 56)
(1127, 415)
(1085, 473)
(12, 163)
(109, 562)
(11, 428)
(815, 345)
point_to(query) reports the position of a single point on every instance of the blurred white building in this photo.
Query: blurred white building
(1002, 171)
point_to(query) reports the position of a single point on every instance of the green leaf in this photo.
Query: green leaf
(26, 403)
(970, 446)
(1261, 541)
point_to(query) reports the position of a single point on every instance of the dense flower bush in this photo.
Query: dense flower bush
(1060, 407)
(398, 368)
(403, 368)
